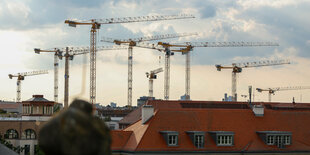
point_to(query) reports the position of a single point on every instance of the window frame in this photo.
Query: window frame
(167, 134)
(172, 139)
(11, 134)
(29, 134)
(193, 136)
(271, 138)
(199, 141)
(223, 138)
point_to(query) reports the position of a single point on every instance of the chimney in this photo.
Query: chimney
(258, 110)
(37, 96)
(147, 113)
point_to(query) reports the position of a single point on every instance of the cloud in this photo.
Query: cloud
(23, 15)
(208, 11)
(40, 24)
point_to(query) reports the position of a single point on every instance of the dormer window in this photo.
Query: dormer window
(172, 140)
(171, 137)
(278, 138)
(197, 137)
(223, 138)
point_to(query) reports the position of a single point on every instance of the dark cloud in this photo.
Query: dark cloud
(40, 13)
(208, 11)
(284, 23)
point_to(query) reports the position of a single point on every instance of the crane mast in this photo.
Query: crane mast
(96, 23)
(152, 75)
(20, 77)
(70, 52)
(57, 56)
(167, 73)
(237, 68)
(56, 65)
(271, 91)
(66, 91)
(133, 42)
(129, 95)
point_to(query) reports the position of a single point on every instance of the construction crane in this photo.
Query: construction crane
(187, 47)
(237, 68)
(57, 56)
(271, 91)
(20, 77)
(152, 75)
(70, 52)
(96, 24)
(133, 42)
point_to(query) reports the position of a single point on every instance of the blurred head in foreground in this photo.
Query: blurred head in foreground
(75, 131)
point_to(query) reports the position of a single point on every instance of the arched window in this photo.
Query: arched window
(29, 134)
(11, 134)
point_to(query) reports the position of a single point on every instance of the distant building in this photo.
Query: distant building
(23, 131)
(142, 100)
(113, 123)
(37, 108)
(184, 97)
(11, 107)
(215, 127)
(113, 105)
(227, 98)
(112, 116)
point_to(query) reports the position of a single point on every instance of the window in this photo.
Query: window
(223, 138)
(171, 137)
(287, 140)
(270, 140)
(27, 150)
(199, 141)
(29, 134)
(11, 134)
(197, 138)
(278, 138)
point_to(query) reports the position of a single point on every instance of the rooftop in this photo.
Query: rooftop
(37, 98)
(208, 117)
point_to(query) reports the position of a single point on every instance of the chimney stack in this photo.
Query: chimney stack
(258, 110)
(147, 113)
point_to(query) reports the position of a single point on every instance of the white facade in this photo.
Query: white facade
(36, 118)
(114, 123)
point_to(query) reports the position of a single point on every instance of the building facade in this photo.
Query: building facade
(24, 131)
(200, 127)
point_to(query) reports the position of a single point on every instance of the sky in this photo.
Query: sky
(30, 24)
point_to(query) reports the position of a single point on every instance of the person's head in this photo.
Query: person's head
(75, 131)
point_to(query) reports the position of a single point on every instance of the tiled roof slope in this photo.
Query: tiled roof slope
(240, 120)
(135, 115)
(37, 98)
(120, 139)
(132, 117)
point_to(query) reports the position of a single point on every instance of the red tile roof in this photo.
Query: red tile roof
(207, 116)
(120, 139)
